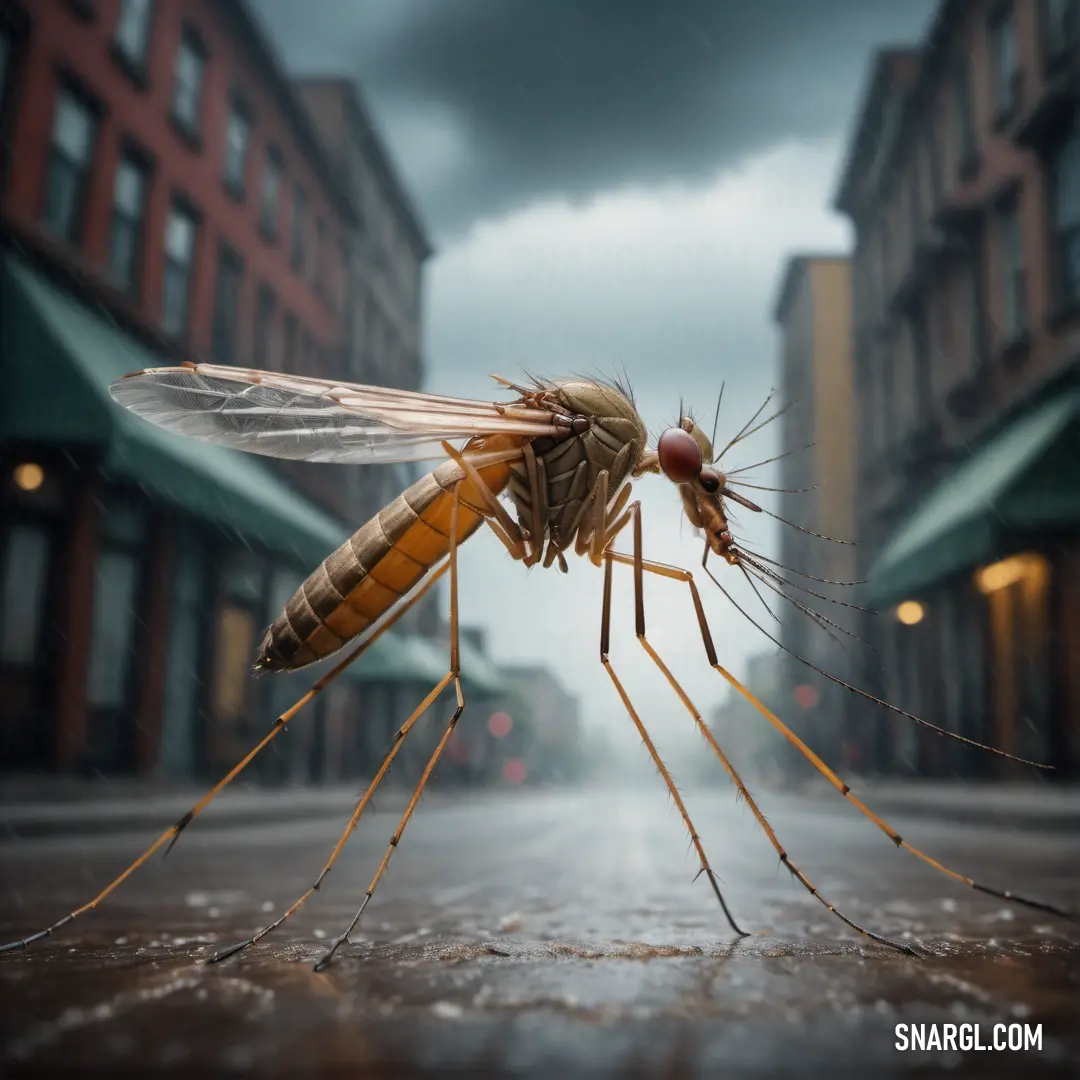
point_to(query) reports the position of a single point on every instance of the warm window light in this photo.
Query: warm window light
(910, 612)
(806, 696)
(1029, 566)
(28, 476)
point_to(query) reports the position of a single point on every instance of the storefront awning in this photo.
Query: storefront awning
(59, 358)
(478, 671)
(1025, 478)
(397, 658)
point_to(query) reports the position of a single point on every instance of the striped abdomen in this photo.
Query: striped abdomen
(379, 565)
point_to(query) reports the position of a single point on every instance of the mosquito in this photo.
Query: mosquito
(565, 454)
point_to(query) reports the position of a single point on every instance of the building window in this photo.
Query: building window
(188, 74)
(74, 125)
(132, 37)
(292, 340)
(299, 224)
(270, 194)
(179, 257)
(226, 306)
(1062, 28)
(1004, 72)
(7, 49)
(23, 593)
(1065, 181)
(125, 235)
(237, 140)
(965, 119)
(264, 337)
(1012, 268)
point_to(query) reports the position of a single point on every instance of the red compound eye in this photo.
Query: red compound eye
(680, 455)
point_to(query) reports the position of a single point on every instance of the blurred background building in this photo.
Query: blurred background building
(962, 185)
(813, 312)
(170, 194)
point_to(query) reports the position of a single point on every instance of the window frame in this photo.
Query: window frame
(1001, 37)
(183, 206)
(190, 128)
(70, 88)
(131, 152)
(240, 109)
(963, 116)
(1012, 279)
(269, 223)
(225, 319)
(1056, 41)
(1066, 295)
(135, 67)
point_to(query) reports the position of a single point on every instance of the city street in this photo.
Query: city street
(540, 934)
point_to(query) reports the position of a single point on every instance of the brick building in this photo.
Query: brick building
(813, 314)
(386, 257)
(962, 182)
(164, 197)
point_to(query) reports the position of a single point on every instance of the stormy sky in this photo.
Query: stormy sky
(610, 185)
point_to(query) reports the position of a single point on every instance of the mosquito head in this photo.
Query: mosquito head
(684, 454)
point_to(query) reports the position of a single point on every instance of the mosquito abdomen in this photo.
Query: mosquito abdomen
(378, 566)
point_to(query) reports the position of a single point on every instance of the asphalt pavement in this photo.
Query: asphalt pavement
(541, 934)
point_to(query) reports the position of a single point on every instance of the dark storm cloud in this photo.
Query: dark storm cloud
(572, 97)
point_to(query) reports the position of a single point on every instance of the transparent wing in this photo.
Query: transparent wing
(291, 416)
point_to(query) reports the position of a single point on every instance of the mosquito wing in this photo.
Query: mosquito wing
(306, 419)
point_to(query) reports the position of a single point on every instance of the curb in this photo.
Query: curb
(22, 827)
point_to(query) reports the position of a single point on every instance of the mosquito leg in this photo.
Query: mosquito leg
(538, 497)
(640, 565)
(172, 834)
(453, 675)
(399, 737)
(605, 640)
(679, 574)
(503, 525)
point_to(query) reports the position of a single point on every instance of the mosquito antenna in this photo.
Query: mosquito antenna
(750, 581)
(768, 461)
(802, 574)
(780, 579)
(764, 423)
(802, 529)
(716, 416)
(780, 491)
(820, 619)
(742, 430)
(862, 693)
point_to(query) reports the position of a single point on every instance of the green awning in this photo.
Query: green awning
(59, 358)
(478, 671)
(1025, 478)
(397, 658)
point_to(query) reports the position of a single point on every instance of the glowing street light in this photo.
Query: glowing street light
(910, 612)
(28, 476)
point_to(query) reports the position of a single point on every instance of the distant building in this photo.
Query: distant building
(813, 312)
(164, 197)
(962, 182)
(748, 740)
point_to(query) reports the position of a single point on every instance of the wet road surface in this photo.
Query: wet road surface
(552, 934)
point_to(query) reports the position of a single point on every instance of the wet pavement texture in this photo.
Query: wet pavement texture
(541, 934)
